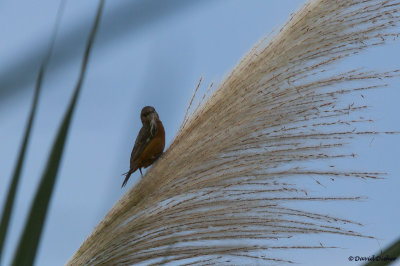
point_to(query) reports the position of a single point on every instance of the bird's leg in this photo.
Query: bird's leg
(140, 169)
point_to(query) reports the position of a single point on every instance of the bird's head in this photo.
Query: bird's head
(150, 117)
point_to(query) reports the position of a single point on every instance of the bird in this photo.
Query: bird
(149, 144)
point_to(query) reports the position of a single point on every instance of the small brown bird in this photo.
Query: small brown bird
(149, 144)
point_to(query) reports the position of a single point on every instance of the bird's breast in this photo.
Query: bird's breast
(153, 149)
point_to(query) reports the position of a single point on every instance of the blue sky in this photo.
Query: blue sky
(158, 61)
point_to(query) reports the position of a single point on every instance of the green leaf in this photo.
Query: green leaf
(8, 206)
(386, 257)
(28, 244)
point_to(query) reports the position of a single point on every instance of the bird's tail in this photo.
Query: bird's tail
(127, 175)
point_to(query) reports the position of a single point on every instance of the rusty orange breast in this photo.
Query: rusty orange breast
(154, 149)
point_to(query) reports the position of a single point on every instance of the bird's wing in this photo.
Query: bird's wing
(141, 142)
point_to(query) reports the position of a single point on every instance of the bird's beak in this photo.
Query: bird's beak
(153, 123)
